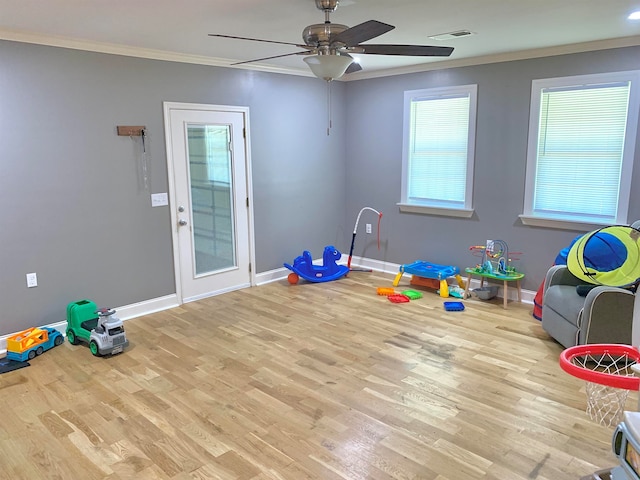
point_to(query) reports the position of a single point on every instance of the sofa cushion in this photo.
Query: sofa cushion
(564, 301)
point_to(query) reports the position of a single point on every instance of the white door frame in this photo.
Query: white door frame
(173, 207)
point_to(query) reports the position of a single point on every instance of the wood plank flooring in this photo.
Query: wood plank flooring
(325, 381)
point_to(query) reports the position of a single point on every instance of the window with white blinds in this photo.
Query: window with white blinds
(581, 146)
(438, 151)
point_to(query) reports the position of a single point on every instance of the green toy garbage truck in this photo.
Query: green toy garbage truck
(104, 333)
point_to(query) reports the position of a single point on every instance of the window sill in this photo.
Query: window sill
(560, 224)
(444, 212)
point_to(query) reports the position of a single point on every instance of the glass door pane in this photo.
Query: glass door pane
(211, 188)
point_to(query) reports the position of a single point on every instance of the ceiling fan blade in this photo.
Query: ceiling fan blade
(361, 33)
(255, 39)
(306, 52)
(406, 50)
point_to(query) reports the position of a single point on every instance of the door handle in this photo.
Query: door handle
(182, 222)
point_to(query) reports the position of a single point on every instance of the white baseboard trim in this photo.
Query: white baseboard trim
(124, 313)
(271, 276)
(147, 306)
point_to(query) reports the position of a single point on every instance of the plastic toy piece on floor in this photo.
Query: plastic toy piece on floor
(329, 270)
(7, 365)
(385, 291)
(453, 306)
(456, 291)
(412, 294)
(398, 298)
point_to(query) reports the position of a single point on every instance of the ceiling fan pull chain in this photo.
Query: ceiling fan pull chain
(329, 107)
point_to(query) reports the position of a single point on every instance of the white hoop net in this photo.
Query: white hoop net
(605, 404)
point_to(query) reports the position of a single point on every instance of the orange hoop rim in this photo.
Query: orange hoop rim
(602, 378)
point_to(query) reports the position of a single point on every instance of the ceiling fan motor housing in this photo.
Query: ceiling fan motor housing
(319, 34)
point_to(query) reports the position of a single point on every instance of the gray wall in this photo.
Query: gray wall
(74, 208)
(75, 213)
(374, 150)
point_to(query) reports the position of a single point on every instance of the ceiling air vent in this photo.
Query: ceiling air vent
(451, 35)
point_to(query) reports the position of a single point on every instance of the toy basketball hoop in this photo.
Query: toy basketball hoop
(606, 369)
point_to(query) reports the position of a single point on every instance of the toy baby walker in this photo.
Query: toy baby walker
(329, 270)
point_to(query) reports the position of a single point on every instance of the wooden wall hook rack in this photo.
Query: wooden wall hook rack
(129, 131)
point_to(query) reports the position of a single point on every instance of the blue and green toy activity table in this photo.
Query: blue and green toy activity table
(433, 271)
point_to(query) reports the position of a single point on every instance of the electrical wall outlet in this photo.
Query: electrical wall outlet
(32, 280)
(368, 228)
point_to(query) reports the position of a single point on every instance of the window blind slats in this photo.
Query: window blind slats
(438, 151)
(580, 148)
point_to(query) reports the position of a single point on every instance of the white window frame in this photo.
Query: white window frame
(569, 220)
(439, 207)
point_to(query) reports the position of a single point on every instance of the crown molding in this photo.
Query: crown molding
(128, 51)
(621, 42)
(116, 49)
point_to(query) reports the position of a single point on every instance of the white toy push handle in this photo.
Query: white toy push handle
(355, 230)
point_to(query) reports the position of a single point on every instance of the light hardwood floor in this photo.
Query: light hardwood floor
(313, 381)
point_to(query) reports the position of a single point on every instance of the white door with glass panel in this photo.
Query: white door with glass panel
(207, 154)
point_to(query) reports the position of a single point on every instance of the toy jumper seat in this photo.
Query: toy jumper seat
(329, 270)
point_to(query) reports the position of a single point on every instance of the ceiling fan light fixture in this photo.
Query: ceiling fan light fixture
(328, 67)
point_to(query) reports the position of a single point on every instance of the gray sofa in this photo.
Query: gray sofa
(603, 315)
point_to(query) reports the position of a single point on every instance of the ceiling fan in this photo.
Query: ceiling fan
(328, 45)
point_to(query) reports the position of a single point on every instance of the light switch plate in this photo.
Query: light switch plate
(32, 280)
(159, 199)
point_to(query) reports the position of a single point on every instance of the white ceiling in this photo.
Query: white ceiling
(177, 30)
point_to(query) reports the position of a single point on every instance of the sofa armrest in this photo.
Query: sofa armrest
(607, 316)
(560, 275)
